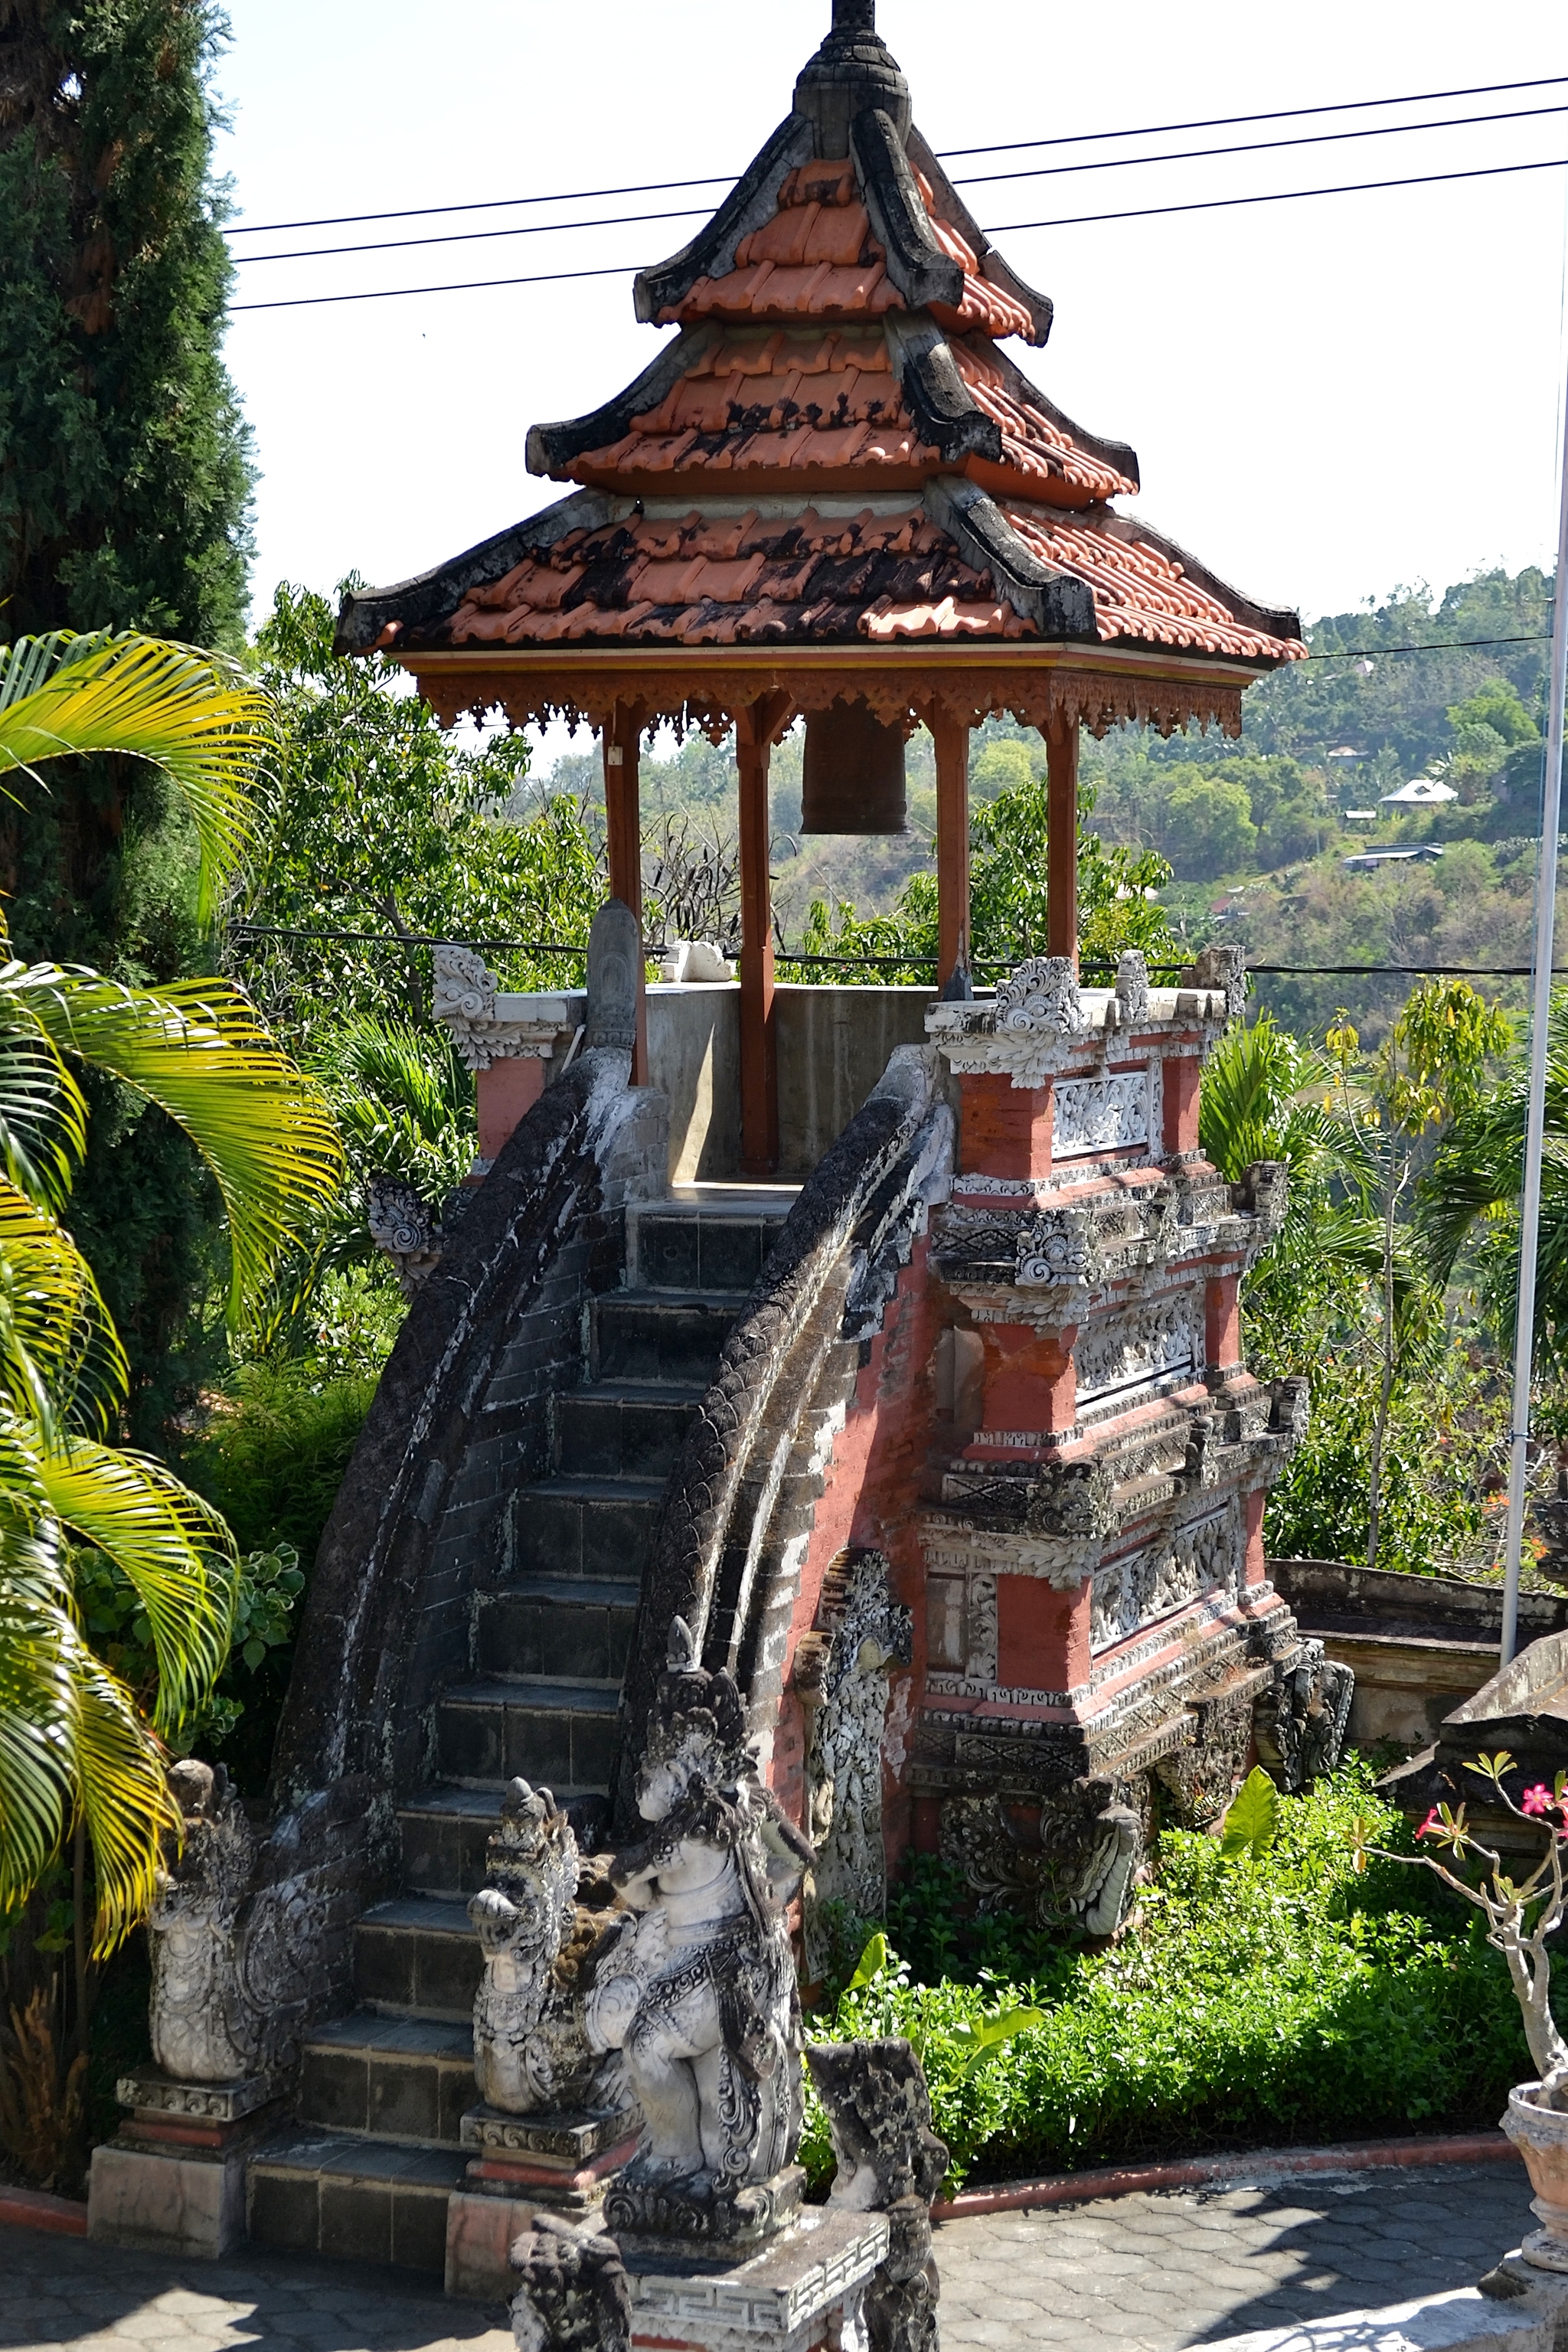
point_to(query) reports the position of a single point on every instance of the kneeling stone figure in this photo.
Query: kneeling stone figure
(698, 1993)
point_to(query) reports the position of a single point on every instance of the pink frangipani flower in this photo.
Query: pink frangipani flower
(1539, 1800)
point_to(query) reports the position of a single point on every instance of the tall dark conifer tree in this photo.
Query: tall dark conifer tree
(124, 501)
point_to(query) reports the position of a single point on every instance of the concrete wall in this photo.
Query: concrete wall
(832, 1046)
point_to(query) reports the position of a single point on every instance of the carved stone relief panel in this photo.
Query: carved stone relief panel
(1200, 1560)
(1158, 1339)
(1074, 1868)
(1107, 1114)
(842, 1676)
(961, 1625)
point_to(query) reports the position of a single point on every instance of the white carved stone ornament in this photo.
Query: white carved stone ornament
(530, 2053)
(225, 1955)
(1153, 1340)
(699, 1990)
(487, 1025)
(1197, 1561)
(1133, 988)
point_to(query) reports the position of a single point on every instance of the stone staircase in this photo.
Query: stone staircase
(366, 2170)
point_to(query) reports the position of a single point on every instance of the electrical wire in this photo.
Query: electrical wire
(1432, 645)
(1043, 171)
(950, 154)
(1077, 220)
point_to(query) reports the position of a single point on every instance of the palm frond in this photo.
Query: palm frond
(170, 1544)
(60, 1351)
(43, 1118)
(199, 1049)
(195, 716)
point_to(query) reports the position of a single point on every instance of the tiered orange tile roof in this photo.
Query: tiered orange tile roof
(832, 447)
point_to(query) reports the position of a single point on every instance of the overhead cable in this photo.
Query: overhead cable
(950, 154)
(1076, 220)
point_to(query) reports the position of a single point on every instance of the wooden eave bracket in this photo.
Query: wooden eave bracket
(553, 447)
(946, 412)
(915, 262)
(1271, 622)
(750, 202)
(1058, 605)
(992, 268)
(363, 618)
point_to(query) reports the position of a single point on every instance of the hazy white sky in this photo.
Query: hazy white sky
(1327, 397)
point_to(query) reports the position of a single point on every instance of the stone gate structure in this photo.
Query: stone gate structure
(924, 1495)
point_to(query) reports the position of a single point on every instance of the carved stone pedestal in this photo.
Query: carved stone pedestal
(801, 2292)
(520, 2166)
(173, 2179)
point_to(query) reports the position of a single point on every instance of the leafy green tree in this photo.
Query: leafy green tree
(1208, 829)
(384, 835)
(125, 501)
(1008, 898)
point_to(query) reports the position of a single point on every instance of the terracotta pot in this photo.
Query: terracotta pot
(1540, 2135)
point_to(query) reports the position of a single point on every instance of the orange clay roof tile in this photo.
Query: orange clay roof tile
(752, 579)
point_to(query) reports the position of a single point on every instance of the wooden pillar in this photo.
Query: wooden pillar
(1061, 818)
(754, 725)
(950, 735)
(623, 822)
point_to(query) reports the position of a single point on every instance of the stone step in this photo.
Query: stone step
(418, 1953)
(621, 1430)
(401, 2078)
(699, 1243)
(659, 1337)
(560, 1732)
(575, 1626)
(586, 1527)
(364, 2200)
(445, 1833)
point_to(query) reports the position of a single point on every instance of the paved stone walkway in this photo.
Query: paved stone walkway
(1157, 2272)
(1145, 2274)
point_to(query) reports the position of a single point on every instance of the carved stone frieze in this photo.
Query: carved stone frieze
(1202, 1557)
(1152, 1340)
(1113, 1113)
(961, 1625)
(1065, 1500)
(841, 1678)
(1046, 1266)
(573, 2293)
(890, 2161)
(1073, 1867)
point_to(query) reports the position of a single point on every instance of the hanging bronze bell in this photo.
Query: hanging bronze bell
(853, 779)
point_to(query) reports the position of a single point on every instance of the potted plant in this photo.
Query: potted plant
(1521, 1915)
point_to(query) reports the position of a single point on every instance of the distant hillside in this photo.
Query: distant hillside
(1257, 830)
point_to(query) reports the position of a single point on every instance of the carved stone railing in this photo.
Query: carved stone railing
(715, 1557)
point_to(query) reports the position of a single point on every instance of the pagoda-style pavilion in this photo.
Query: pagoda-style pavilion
(832, 485)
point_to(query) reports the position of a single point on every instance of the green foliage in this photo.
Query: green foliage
(272, 1457)
(267, 1588)
(384, 826)
(124, 503)
(1007, 893)
(1252, 1819)
(1257, 1999)
(1208, 829)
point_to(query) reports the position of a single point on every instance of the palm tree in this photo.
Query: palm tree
(76, 1753)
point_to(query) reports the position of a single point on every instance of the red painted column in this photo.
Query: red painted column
(950, 732)
(1182, 1074)
(623, 826)
(1061, 848)
(502, 1094)
(1006, 1129)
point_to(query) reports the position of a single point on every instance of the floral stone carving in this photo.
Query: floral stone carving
(222, 1970)
(530, 2053)
(698, 1991)
(573, 2295)
(1301, 1722)
(890, 2161)
(841, 1677)
(1201, 1778)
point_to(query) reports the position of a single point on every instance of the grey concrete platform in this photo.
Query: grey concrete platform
(1321, 2266)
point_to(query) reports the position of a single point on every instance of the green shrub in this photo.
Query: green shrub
(273, 1454)
(1255, 2001)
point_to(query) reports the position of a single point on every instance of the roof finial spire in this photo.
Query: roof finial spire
(854, 16)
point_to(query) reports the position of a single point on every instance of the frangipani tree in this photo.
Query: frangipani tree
(76, 1752)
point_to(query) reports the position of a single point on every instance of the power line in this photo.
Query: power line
(1432, 645)
(1045, 171)
(1077, 220)
(1283, 196)
(950, 154)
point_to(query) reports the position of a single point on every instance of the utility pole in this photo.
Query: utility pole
(1535, 1123)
